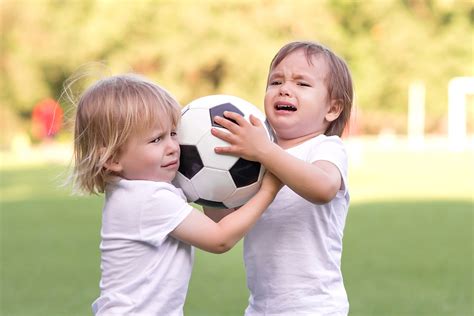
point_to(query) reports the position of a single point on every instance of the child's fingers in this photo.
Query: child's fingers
(226, 123)
(255, 121)
(225, 136)
(239, 119)
(228, 150)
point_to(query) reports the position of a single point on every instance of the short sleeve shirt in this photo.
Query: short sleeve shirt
(293, 253)
(145, 271)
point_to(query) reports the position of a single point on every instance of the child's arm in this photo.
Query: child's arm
(317, 182)
(200, 231)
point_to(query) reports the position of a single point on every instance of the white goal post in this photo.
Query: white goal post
(458, 88)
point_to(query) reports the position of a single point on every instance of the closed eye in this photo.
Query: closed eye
(275, 83)
(304, 84)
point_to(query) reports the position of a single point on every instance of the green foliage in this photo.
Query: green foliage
(196, 48)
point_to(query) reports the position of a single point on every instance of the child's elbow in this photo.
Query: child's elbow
(219, 240)
(325, 199)
(221, 248)
(325, 196)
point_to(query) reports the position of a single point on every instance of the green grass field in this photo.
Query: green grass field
(408, 245)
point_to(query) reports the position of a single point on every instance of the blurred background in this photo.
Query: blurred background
(408, 245)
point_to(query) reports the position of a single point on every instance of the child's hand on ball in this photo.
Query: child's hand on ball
(248, 140)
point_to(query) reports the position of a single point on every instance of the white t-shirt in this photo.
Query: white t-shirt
(145, 271)
(293, 253)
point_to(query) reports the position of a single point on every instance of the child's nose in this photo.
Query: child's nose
(285, 89)
(173, 146)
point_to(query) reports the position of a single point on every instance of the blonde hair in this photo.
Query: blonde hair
(107, 114)
(339, 80)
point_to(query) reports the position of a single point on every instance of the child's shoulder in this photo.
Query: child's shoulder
(327, 143)
(318, 140)
(142, 187)
(324, 138)
(317, 147)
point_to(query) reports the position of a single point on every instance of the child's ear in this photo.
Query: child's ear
(334, 110)
(113, 163)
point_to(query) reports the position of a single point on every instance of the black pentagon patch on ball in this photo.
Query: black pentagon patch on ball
(210, 203)
(189, 162)
(218, 110)
(245, 172)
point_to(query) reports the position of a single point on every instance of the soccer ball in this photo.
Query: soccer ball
(207, 178)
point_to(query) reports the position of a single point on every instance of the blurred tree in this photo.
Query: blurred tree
(204, 47)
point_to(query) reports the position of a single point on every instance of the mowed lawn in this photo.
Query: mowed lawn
(408, 244)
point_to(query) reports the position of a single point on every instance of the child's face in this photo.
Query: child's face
(296, 100)
(151, 155)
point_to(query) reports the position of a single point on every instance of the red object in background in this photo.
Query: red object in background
(47, 119)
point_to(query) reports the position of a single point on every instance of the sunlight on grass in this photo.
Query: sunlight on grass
(377, 170)
(33, 181)
(378, 173)
(17, 192)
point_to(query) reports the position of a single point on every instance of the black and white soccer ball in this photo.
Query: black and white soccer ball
(207, 178)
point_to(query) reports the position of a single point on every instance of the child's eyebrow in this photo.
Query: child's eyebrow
(296, 76)
(301, 77)
(155, 133)
(276, 74)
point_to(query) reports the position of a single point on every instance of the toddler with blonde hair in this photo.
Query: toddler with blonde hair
(126, 146)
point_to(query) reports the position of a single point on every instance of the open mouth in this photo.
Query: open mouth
(285, 107)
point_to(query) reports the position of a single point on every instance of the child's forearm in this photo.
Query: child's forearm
(199, 230)
(236, 224)
(315, 183)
